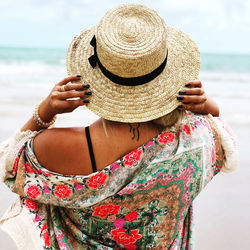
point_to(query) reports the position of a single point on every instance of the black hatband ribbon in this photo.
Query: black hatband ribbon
(126, 81)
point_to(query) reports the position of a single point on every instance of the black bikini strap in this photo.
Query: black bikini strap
(91, 153)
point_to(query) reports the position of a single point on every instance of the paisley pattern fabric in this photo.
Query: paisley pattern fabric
(142, 201)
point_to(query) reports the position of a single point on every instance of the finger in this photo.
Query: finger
(194, 84)
(69, 79)
(73, 86)
(192, 98)
(64, 106)
(73, 104)
(196, 108)
(192, 91)
(71, 94)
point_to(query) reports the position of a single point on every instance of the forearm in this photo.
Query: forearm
(211, 107)
(45, 116)
(58, 102)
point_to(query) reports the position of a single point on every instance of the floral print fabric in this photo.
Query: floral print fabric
(142, 201)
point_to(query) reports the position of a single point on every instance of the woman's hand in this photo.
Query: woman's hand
(60, 98)
(194, 99)
(60, 101)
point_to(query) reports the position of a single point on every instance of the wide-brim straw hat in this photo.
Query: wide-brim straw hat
(134, 63)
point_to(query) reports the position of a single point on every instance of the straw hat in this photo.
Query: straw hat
(134, 63)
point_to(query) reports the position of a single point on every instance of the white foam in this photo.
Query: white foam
(226, 76)
(31, 67)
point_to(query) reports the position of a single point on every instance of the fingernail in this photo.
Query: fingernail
(180, 106)
(86, 101)
(180, 97)
(79, 76)
(85, 85)
(88, 93)
(188, 84)
(182, 92)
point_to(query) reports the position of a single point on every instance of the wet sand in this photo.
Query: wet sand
(221, 210)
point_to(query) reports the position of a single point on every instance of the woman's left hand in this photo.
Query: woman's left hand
(194, 99)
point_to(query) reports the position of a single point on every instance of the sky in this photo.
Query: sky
(218, 26)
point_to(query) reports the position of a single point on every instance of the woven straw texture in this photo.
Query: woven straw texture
(132, 40)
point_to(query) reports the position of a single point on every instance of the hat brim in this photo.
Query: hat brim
(140, 103)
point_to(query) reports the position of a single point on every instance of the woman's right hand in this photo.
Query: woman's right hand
(194, 99)
(60, 98)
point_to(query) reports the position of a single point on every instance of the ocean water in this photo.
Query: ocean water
(28, 74)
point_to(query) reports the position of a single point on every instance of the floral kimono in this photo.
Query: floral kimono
(141, 201)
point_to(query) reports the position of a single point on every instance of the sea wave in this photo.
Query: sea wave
(26, 83)
(28, 74)
(22, 67)
(226, 76)
(37, 66)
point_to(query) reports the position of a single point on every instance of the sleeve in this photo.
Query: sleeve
(9, 150)
(225, 144)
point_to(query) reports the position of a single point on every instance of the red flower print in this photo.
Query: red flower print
(16, 165)
(166, 137)
(62, 190)
(132, 157)
(33, 191)
(130, 247)
(96, 180)
(29, 168)
(30, 204)
(46, 238)
(186, 129)
(46, 234)
(104, 210)
(121, 237)
(44, 226)
(131, 216)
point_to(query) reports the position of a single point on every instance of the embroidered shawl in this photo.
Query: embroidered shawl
(141, 201)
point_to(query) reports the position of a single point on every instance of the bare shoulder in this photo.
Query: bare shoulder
(65, 150)
(61, 149)
(57, 138)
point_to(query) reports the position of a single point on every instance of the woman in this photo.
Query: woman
(128, 180)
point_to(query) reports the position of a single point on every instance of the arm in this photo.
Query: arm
(193, 98)
(16, 170)
(56, 102)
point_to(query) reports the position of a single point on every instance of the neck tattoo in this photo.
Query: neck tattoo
(134, 128)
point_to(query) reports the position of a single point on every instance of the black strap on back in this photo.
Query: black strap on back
(91, 152)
